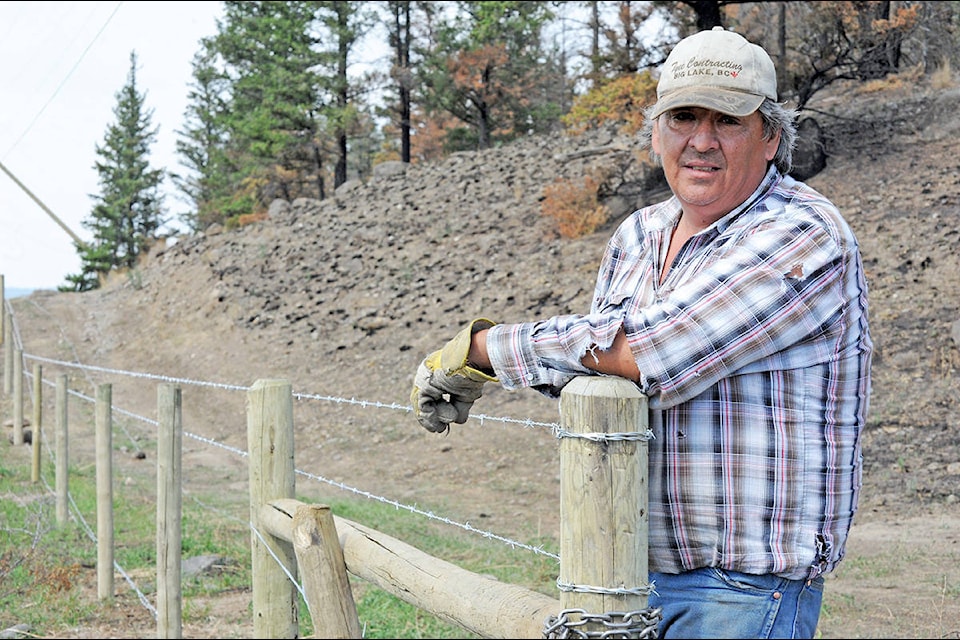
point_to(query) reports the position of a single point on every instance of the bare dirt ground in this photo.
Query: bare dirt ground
(344, 297)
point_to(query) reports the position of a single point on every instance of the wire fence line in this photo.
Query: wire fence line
(87, 369)
(365, 404)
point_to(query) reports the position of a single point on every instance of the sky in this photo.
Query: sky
(61, 67)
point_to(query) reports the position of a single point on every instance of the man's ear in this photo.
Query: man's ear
(655, 136)
(770, 151)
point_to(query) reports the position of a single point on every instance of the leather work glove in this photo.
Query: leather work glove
(445, 386)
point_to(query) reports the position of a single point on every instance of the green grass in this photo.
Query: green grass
(43, 563)
(385, 616)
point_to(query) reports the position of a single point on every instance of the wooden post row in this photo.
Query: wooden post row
(7, 354)
(603, 533)
(104, 452)
(62, 484)
(37, 438)
(17, 397)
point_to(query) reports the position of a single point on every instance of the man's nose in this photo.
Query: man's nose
(704, 136)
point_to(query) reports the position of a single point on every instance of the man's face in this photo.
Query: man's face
(712, 161)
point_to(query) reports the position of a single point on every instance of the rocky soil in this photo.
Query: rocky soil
(343, 297)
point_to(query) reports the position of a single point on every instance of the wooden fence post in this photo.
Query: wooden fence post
(272, 477)
(62, 456)
(603, 499)
(326, 585)
(7, 353)
(104, 449)
(17, 397)
(36, 438)
(169, 503)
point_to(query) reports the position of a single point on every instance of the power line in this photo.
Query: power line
(62, 82)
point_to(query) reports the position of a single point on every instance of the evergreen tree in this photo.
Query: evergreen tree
(275, 114)
(267, 54)
(129, 209)
(202, 145)
(400, 37)
(409, 25)
(344, 23)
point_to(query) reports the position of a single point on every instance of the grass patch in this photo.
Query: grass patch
(48, 570)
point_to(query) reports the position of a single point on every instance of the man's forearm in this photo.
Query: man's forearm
(617, 360)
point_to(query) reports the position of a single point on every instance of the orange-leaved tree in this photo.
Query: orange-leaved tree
(620, 101)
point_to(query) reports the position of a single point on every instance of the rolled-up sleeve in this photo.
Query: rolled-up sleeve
(546, 355)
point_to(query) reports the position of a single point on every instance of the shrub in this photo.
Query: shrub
(575, 207)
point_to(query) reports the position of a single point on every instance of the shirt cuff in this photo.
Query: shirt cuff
(512, 352)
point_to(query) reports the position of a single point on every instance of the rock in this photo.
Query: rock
(201, 565)
(16, 631)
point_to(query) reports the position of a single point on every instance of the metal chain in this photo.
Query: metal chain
(616, 624)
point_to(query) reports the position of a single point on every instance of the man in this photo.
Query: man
(739, 308)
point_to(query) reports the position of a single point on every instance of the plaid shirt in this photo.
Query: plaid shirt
(755, 356)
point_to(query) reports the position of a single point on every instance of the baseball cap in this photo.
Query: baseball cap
(719, 70)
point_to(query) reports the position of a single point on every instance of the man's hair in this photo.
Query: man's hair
(775, 117)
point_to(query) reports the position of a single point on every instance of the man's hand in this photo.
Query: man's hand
(445, 385)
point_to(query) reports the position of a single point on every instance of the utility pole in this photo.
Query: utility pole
(76, 238)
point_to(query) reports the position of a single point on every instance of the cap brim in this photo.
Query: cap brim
(734, 103)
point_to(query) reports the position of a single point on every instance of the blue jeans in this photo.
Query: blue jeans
(714, 603)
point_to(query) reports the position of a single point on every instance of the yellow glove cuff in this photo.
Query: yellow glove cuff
(452, 358)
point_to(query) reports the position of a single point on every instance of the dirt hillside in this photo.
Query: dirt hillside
(343, 297)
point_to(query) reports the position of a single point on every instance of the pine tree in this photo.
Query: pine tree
(129, 210)
(202, 144)
(266, 51)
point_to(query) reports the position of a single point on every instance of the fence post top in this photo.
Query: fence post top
(270, 382)
(603, 386)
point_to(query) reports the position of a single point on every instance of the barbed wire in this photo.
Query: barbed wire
(466, 526)
(481, 419)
